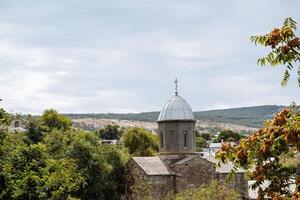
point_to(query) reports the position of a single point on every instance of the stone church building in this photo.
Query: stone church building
(178, 166)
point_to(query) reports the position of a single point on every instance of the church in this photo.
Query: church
(178, 166)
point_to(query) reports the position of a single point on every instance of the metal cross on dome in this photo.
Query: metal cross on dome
(176, 86)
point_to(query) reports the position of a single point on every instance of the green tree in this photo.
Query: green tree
(262, 150)
(102, 167)
(117, 157)
(30, 173)
(229, 136)
(140, 142)
(34, 132)
(206, 136)
(200, 143)
(4, 117)
(285, 48)
(4, 121)
(62, 164)
(51, 119)
(21, 168)
(110, 132)
(61, 179)
(59, 142)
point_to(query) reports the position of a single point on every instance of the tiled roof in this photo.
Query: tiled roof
(152, 165)
(188, 158)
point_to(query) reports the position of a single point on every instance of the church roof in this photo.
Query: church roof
(152, 165)
(176, 109)
(17, 129)
(188, 158)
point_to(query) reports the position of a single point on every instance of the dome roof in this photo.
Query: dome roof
(176, 109)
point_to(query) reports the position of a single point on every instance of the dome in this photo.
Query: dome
(176, 109)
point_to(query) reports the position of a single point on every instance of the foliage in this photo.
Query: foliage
(21, 169)
(61, 179)
(229, 136)
(110, 132)
(58, 162)
(140, 142)
(200, 143)
(30, 174)
(3, 135)
(260, 153)
(263, 151)
(205, 136)
(285, 48)
(214, 191)
(101, 166)
(4, 122)
(52, 119)
(4, 117)
(34, 132)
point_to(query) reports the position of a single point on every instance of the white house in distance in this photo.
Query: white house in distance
(214, 147)
(17, 125)
(109, 142)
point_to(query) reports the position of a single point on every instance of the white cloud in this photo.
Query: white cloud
(112, 56)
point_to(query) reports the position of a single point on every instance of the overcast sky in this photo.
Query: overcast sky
(123, 55)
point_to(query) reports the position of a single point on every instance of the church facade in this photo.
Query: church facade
(178, 166)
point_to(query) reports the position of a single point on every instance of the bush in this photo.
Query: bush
(214, 191)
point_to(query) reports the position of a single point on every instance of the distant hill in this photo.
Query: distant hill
(246, 116)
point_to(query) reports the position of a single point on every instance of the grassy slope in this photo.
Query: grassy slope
(247, 116)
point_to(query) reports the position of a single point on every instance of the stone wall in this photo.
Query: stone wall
(141, 185)
(238, 183)
(193, 173)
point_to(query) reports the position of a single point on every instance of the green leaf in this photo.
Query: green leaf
(299, 75)
(289, 23)
(286, 77)
(259, 39)
(261, 61)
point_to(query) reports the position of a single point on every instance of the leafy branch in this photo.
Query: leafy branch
(285, 48)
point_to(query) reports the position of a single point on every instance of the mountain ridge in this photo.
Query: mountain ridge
(251, 116)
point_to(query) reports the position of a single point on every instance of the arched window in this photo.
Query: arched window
(17, 124)
(194, 139)
(161, 139)
(185, 138)
(171, 140)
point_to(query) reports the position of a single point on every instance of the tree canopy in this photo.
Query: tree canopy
(110, 132)
(140, 142)
(262, 151)
(4, 117)
(51, 119)
(229, 136)
(63, 163)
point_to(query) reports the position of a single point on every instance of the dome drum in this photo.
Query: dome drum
(177, 137)
(176, 127)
